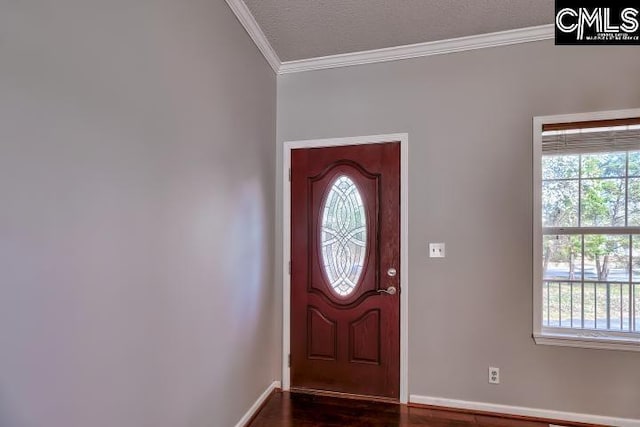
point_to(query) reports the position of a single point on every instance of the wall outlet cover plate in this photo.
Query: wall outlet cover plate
(436, 250)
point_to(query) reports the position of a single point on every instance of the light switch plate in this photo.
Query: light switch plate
(436, 250)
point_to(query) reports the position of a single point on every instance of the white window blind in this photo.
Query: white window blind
(591, 140)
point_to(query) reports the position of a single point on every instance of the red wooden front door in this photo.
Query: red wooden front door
(345, 264)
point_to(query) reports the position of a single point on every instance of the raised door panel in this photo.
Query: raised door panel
(364, 338)
(321, 336)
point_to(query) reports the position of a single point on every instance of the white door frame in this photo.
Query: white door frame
(403, 138)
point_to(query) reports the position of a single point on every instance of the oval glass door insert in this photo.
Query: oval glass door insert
(343, 236)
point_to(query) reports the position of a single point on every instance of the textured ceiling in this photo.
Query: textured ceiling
(299, 29)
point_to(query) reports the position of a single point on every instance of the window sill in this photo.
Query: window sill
(595, 340)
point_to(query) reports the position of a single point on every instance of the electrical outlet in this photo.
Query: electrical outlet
(436, 250)
(494, 375)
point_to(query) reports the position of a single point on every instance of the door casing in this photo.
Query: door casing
(403, 138)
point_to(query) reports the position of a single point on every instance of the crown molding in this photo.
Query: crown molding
(501, 38)
(249, 23)
(438, 47)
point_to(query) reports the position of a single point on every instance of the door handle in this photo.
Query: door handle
(391, 290)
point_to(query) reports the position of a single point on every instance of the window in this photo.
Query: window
(343, 236)
(587, 230)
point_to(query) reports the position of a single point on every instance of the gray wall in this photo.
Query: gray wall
(136, 214)
(469, 119)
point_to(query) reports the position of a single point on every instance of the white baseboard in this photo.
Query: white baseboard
(256, 405)
(522, 411)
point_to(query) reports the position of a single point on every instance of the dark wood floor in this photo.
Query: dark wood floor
(305, 410)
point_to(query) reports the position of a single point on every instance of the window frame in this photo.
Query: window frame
(557, 336)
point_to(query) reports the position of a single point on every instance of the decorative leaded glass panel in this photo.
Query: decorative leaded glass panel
(343, 236)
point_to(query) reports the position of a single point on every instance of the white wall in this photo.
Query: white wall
(469, 119)
(136, 213)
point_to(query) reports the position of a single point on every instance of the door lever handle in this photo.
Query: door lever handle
(391, 290)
